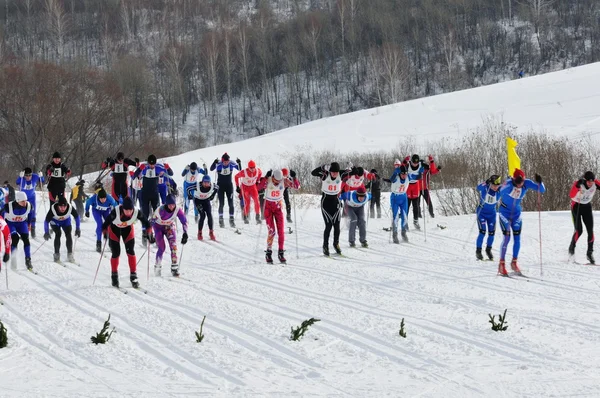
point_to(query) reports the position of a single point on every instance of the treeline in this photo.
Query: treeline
(252, 67)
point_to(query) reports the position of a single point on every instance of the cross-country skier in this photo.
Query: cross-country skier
(120, 169)
(59, 217)
(432, 169)
(78, 196)
(511, 195)
(58, 173)
(27, 182)
(374, 186)
(4, 241)
(149, 173)
(224, 169)
(191, 175)
(18, 215)
(274, 184)
(287, 173)
(101, 204)
(119, 225)
(166, 185)
(203, 194)
(486, 214)
(248, 178)
(10, 189)
(136, 188)
(415, 169)
(355, 202)
(164, 226)
(399, 200)
(331, 208)
(582, 193)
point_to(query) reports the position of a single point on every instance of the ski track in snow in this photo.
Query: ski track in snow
(437, 286)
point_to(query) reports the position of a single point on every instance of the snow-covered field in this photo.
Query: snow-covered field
(433, 282)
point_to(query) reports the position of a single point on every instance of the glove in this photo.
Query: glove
(204, 166)
(269, 173)
(142, 166)
(105, 234)
(292, 174)
(22, 174)
(137, 160)
(353, 171)
(184, 238)
(6, 257)
(538, 178)
(87, 214)
(238, 161)
(387, 180)
(40, 174)
(187, 167)
(167, 166)
(430, 158)
(215, 161)
(326, 167)
(151, 238)
(78, 233)
(237, 189)
(46, 236)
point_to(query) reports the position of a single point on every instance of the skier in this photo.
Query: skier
(415, 169)
(249, 177)
(4, 241)
(355, 178)
(136, 188)
(119, 224)
(224, 169)
(11, 191)
(78, 196)
(486, 214)
(287, 173)
(119, 168)
(58, 173)
(166, 185)
(59, 217)
(331, 185)
(101, 205)
(355, 201)
(164, 226)
(431, 169)
(399, 199)
(203, 194)
(511, 194)
(274, 184)
(28, 181)
(191, 175)
(149, 174)
(374, 185)
(18, 215)
(582, 193)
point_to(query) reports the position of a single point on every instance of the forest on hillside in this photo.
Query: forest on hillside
(93, 77)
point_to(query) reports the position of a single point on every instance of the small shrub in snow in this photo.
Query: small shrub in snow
(501, 325)
(300, 330)
(199, 334)
(402, 332)
(104, 335)
(3, 336)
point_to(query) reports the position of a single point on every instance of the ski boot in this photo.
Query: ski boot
(289, 219)
(175, 270)
(32, 232)
(231, 222)
(114, 276)
(99, 246)
(134, 280)
(281, 257)
(590, 257)
(326, 250)
(221, 222)
(352, 244)
(572, 249)
(502, 268)
(56, 257)
(211, 235)
(28, 263)
(70, 257)
(478, 254)
(246, 220)
(337, 248)
(395, 237)
(269, 256)
(364, 244)
(515, 267)
(258, 220)
(488, 251)
(157, 269)
(416, 224)
(431, 214)
(404, 236)
(200, 235)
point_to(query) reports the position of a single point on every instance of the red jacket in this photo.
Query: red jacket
(432, 170)
(248, 177)
(5, 235)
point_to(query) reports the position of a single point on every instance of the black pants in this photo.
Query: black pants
(119, 188)
(261, 200)
(68, 237)
(583, 213)
(427, 197)
(375, 201)
(331, 209)
(286, 198)
(54, 194)
(226, 189)
(205, 211)
(149, 204)
(114, 242)
(416, 207)
(15, 236)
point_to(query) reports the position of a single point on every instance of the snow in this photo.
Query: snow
(433, 282)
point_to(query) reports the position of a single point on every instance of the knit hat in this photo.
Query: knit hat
(56, 155)
(251, 164)
(278, 175)
(120, 156)
(397, 163)
(415, 158)
(518, 176)
(402, 169)
(361, 191)
(28, 171)
(360, 171)
(285, 172)
(589, 176)
(20, 196)
(151, 159)
(193, 166)
(101, 194)
(128, 203)
(225, 156)
(495, 179)
(206, 179)
(62, 201)
(334, 167)
(170, 200)
(373, 171)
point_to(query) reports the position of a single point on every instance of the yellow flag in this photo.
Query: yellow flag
(514, 162)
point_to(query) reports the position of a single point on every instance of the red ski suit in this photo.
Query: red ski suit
(5, 241)
(353, 182)
(274, 207)
(249, 179)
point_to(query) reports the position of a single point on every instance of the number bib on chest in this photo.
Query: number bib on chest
(516, 193)
(150, 173)
(12, 217)
(274, 193)
(491, 199)
(400, 188)
(119, 168)
(189, 177)
(355, 182)
(57, 172)
(225, 171)
(331, 187)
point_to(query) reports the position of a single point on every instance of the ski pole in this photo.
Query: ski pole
(148, 268)
(540, 229)
(296, 225)
(99, 261)
(39, 247)
(181, 257)
(424, 219)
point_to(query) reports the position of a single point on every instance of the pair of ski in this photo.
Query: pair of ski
(571, 259)
(125, 291)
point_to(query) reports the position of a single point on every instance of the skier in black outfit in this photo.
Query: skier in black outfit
(331, 207)
(375, 187)
(150, 197)
(582, 194)
(58, 174)
(120, 172)
(224, 170)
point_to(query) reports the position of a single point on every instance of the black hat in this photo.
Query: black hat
(28, 170)
(403, 169)
(151, 159)
(495, 179)
(193, 165)
(360, 171)
(62, 201)
(334, 167)
(589, 176)
(415, 158)
(128, 203)
(225, 156)
(373, 171)
(120, 156)
(101, 194)
(56, 155)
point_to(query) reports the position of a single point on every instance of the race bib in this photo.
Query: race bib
(150, 173)
(225, 171)
(57, 172)
(119, 168)
(161, 180)
(516, 193)
(491, 200)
